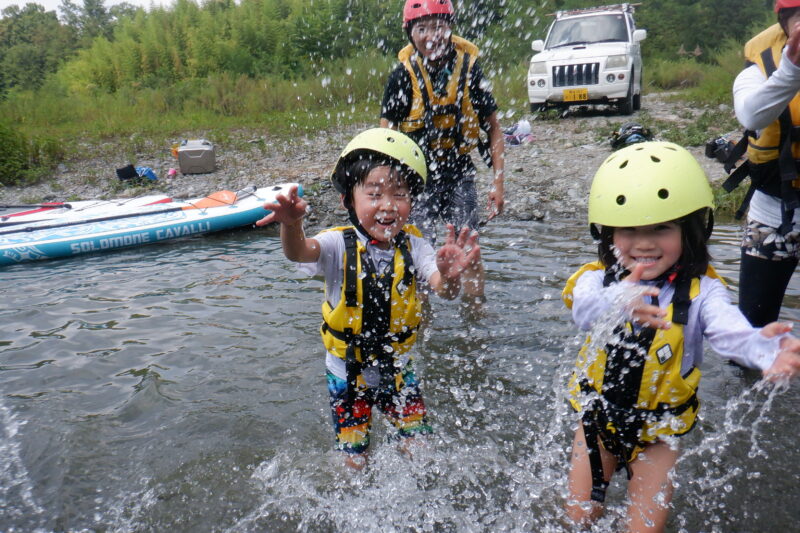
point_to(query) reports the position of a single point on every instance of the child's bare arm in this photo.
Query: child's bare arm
(459, 255)
(289, 212)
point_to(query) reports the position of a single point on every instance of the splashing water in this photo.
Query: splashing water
(15, 484)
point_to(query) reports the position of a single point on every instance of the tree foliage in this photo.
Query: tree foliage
(33, 43)
(128, 47)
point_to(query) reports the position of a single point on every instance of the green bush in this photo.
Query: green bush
(13, 155)
(671, 74)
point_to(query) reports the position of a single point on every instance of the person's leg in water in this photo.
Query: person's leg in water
(768, 261)
(460, 208)
(580, 507)
(426, 215)
(650, 488)
(351, 425)
(402, 404)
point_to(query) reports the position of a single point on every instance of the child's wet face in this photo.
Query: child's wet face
(382, 203)
(431, 37)
(658, 246)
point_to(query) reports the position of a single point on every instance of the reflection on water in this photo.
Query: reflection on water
(181, 387)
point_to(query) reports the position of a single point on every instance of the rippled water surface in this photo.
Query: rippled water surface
(180, 387)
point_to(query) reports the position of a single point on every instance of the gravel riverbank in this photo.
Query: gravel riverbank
(548, 177)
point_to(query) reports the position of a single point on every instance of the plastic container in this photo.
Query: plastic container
(196, 156)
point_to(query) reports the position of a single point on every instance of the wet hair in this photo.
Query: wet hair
(694, 258)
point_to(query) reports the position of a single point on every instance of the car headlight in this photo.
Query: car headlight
(538, 68)
(619, 61)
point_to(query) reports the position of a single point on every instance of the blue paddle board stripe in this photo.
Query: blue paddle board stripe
(76, 240)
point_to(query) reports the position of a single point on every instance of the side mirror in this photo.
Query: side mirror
(639, 35)
(538, 45)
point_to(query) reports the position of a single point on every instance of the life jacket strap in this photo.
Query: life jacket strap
(351, 267)
(591, 434)
(681, 301)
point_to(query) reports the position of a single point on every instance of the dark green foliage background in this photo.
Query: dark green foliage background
(107, 49)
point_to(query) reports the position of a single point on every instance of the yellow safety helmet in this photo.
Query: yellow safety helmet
(647, 183)
(394, 144)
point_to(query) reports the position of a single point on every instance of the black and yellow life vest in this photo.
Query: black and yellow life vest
(774, 154)
(447, 125)
(378, 315)
(632, 392)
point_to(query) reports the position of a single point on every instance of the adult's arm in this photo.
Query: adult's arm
(497, 150)
(757, 100)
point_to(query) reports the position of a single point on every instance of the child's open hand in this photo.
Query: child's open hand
(640, 312)
(285, 210)
(458, 254)
(787, 364)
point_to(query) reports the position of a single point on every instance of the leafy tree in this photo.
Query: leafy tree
(90, 20)
(32, 44)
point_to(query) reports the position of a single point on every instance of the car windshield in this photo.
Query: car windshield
(588, 30)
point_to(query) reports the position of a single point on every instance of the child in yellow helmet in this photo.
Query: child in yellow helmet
(372, 272)
(650, 208)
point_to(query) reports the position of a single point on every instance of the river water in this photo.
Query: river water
(180, 387)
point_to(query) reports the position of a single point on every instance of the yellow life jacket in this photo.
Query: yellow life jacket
(448, 124)
(368, 325)
(765, 50)
(632, 392)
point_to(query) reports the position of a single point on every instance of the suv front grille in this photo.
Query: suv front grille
(583, 74)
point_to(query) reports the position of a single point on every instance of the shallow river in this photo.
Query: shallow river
(180, 387)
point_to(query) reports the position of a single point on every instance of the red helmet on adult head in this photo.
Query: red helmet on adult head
(786, 4)
(416, 9)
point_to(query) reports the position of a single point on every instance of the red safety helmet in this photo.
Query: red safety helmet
(415, 9)
(784, 4)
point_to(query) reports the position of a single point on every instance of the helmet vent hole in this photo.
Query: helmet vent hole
(621, 199)
(624, 164)
(655, 159)
(390, 139)
(663, 194)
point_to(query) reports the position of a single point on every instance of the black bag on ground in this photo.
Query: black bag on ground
(127, 173)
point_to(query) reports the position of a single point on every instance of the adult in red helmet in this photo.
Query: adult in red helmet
(766, 98)
(439, 96)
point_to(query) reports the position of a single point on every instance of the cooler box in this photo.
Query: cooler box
(196, 156)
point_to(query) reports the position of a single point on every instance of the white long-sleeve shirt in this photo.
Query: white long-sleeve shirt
(758, 101)
(711, 316)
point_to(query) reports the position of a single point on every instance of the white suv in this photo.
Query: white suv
(590, 56)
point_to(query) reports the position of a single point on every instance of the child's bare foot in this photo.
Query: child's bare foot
(411, 445)
(356, 461)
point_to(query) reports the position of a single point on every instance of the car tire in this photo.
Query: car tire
(637, 98)
(626, 105)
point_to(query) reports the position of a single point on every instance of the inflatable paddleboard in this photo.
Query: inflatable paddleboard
(78, 233)
(13, 215)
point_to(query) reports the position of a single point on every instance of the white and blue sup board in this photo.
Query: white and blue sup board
(74, 234)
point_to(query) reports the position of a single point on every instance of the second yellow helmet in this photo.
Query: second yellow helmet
(647, 183)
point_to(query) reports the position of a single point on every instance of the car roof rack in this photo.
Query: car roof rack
(625, 8)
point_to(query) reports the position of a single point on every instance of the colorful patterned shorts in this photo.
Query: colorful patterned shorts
(402, 405)
(765, 242)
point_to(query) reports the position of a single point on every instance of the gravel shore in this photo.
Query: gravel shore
(547, 177)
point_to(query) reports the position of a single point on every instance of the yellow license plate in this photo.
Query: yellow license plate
(576, 95)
